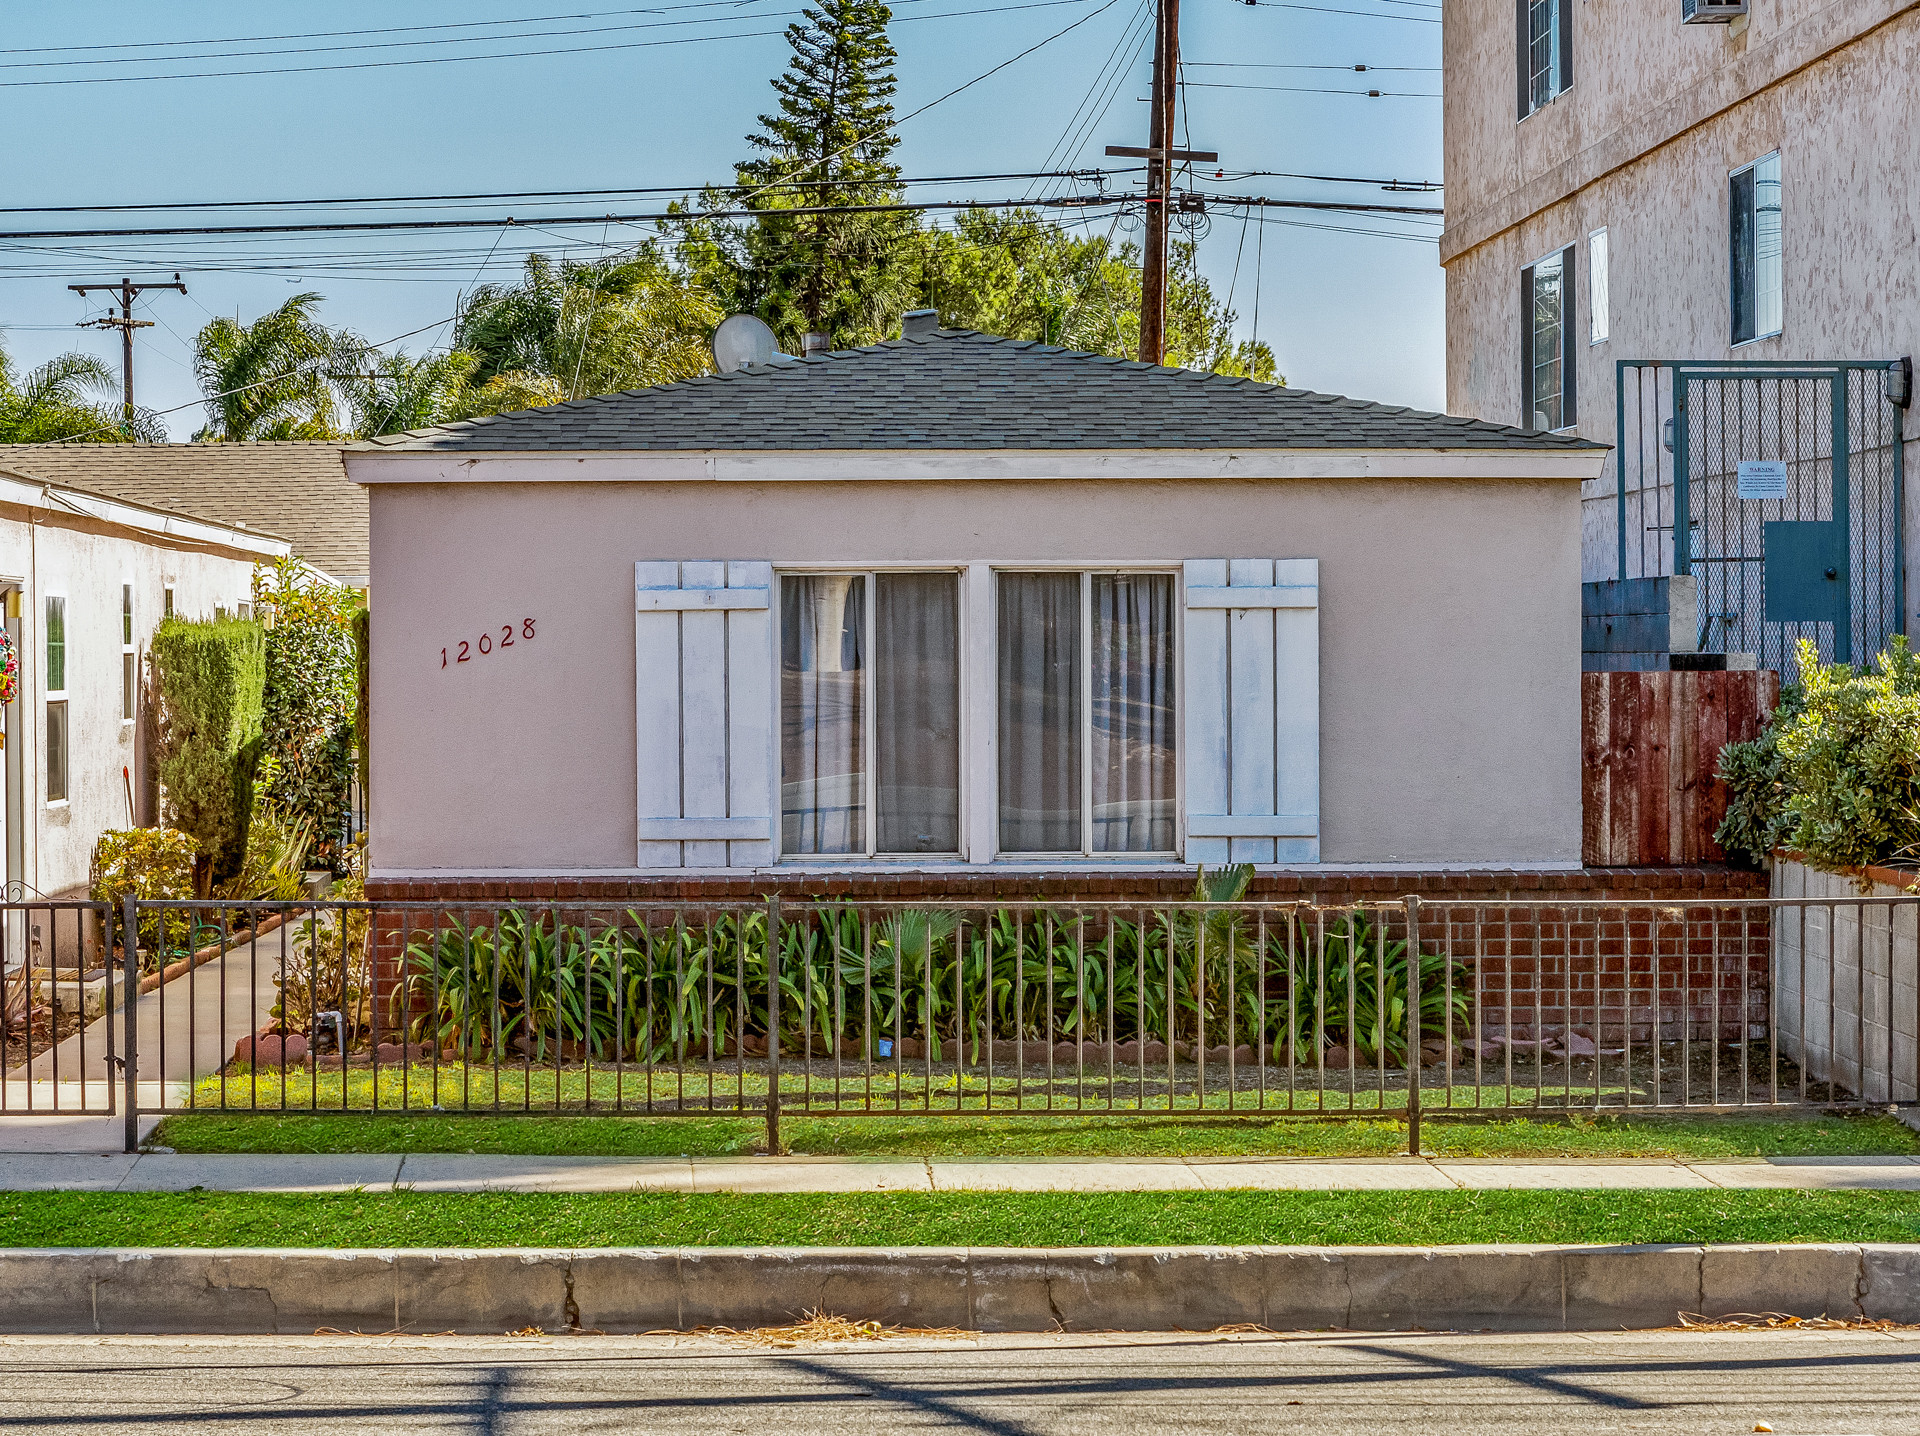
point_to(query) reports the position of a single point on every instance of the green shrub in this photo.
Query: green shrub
(151, 864)
(277, 842)
(312, 691)
(362, 727)
(212, 686)
(1852, 760)
(1757, 821)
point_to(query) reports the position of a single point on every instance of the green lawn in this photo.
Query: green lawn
(955, 1137)
(1028, 1219)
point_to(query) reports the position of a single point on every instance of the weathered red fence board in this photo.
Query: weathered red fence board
(1650, 743)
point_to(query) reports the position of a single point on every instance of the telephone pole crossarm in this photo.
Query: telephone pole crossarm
(124, 321)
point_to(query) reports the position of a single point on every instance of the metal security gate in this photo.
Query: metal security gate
(1788, 476)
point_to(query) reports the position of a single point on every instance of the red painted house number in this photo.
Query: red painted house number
(486, 643)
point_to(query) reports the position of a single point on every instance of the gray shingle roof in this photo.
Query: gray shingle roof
(956, 389)
(295, 490)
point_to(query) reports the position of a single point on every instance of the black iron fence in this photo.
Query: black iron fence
(1391, 1010)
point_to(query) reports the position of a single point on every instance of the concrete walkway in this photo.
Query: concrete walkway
(165, 1172)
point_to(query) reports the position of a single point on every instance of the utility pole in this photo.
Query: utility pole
(126, 324)
(1161, 157)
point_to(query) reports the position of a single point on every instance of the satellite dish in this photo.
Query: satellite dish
(741, 340)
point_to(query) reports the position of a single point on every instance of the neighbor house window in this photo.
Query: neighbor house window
(870, 714)
(1546, 358)
(1599, 304)
(56, 700)
(129, 660)
(1545, 37)
(1754, 261)
(1085, 712)
(166, 601)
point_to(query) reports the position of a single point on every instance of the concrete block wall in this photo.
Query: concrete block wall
(1847, 979)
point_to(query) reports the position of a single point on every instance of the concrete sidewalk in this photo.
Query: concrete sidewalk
(166, 1172)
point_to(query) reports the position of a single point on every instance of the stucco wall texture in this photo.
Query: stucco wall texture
(1642, 146)
(88, 562)
(1450, 643)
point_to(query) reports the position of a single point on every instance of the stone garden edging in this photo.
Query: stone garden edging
(621, 1290)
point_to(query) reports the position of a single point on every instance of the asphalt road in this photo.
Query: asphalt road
(1828, 1383)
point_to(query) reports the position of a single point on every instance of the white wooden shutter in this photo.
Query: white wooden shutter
(703, 649)
(1253, 710)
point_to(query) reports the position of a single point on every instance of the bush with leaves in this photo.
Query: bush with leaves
(1851, 759)
(312, 692)
(212, 679)
(1757, 820)
(150, 864)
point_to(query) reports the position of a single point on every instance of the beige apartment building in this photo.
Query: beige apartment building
(1725, 186)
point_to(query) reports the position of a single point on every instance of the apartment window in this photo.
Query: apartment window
(1599, 304)
(1085, 712)
(870, 714)
(56, 667)
(1546, 357)
(1545, 36)
(1759, 307)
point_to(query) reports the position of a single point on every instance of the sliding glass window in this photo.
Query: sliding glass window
(1086, 741)
(869, 714)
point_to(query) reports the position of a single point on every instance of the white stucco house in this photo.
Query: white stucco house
(86, 578)
(954, 604)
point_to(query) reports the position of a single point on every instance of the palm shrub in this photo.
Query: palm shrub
(212, 686)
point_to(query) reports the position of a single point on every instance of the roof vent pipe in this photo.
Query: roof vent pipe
(814, 344)
(919, 323)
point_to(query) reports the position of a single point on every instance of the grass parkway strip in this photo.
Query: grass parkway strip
(936, 1138)
(984, 1219)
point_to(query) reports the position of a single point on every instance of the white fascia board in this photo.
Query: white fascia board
(878, 465)
(51, 498)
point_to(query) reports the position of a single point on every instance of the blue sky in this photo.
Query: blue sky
(1346, 309)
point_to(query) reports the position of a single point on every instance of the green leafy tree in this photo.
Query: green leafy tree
(275, 378)
(212, 682)
(311, 695)
(57, 401)
(570, 329)
(1013, 273)
(827, 147)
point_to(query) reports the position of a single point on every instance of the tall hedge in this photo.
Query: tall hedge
(312, 690)
(213, 678)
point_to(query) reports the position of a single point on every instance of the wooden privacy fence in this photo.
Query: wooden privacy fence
(1650, 744)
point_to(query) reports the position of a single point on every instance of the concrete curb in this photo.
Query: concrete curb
(1499, 1288)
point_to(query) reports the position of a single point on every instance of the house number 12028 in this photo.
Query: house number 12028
(466, 649)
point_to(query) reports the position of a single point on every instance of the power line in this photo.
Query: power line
(511, 55)
(1299, 90)
(1263, 65)
(1325, 10)
(1090, 174)
(462, 39)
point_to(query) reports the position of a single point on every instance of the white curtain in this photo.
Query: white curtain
(916, 712)
(1132, 720)
(1040, 723)
(823, 676)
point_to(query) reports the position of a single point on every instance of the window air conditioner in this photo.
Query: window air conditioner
(1711, 12)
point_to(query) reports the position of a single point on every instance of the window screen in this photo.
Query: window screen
(1545, 51)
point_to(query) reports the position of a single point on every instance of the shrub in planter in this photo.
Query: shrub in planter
(1852, 760)
(1757, 821)
(148, 863)
(212, 681)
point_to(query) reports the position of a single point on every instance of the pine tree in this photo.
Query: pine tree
(827, 147)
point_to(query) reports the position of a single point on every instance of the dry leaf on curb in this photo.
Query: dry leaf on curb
(1780, 1321)
(824, 1326)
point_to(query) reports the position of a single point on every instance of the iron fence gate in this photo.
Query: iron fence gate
(1778, 487)
(1388, 1009)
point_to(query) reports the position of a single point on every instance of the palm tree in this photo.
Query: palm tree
(574, 329)
(398, 393)
(275, 378)
(53, 402)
